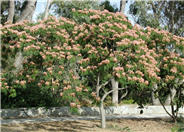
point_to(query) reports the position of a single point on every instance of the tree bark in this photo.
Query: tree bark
(114, 84)
(46, 13)
(155, 101)
(172, 18)
(170, 97)
(102, 111)
(18, 61)
(11, 11)
(103, 121)
(122, 6)
(98, 86)
(27, 13)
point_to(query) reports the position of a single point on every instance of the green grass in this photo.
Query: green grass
(179, 126)
(127, 101)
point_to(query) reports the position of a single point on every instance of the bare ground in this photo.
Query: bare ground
(118, 125)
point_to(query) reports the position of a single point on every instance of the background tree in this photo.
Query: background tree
(106, 5)
(23, 10)
(28, 11)
(122, 5)
(48, 6)
(11, 11)
(64, 7)
(159, 14)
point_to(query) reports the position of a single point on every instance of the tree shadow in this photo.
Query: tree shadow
(70, 126)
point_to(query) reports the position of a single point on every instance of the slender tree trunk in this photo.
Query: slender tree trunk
(103, 121)
(172, 17)
(122, 6)
(172, 93)
(155, 101)
(102, 111)
(114, 84)
(46, 13)
(170, 97)
(11, 11)
(168, 100)
(98, 85)
(28, 12)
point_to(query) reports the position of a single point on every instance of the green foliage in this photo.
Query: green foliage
(47, 67)
(127, 101)
(179, 127)
(64, 8)
(63, 59)
(106, 5)
(157, 14)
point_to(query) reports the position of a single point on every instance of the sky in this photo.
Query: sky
(41, 4)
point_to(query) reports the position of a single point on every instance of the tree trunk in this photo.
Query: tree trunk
(155, 101)
(98, 86)
(114, 84)
(18, 61)
(122, 6)
(46, 13)
(181, 82)
(103, 122)
(102, 111)
(11, 11)
(170, 97)
(27, 13)
(172, 18)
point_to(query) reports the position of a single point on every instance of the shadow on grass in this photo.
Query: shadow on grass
(65, 126)
(59, 126)
(118, 128)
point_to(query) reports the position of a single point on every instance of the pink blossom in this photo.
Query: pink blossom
(47, 83)
(22, 82)
(72, 104)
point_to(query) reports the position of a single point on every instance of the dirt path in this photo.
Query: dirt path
(118, 125)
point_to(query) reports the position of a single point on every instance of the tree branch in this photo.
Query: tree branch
(105, 95)
(104, 84)
(165, 108)
(124, 95)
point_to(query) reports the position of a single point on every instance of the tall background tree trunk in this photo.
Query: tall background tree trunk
(46, 13)
(114, 84)
(18, 61)
(170, 97)
(11, 11)
(28, 12)
(122, 6)
(155, 101)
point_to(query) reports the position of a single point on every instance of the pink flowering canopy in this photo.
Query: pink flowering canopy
(64, 57)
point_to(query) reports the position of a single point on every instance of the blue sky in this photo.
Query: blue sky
(41, 4)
